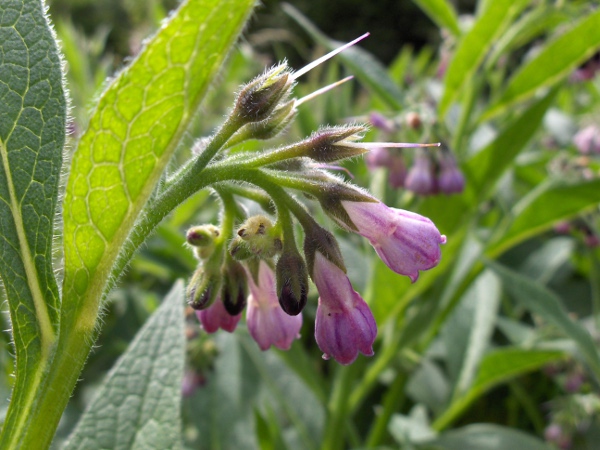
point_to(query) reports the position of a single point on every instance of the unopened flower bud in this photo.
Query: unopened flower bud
(256, 237)
(420, 177)
(413, 120)
(333, 144)
(398, 173)
(378, 157)
(379, 121)
(259, 98)
(203, 289)
(292, 282)
(450, 178)
(202, 238)
(234, 288)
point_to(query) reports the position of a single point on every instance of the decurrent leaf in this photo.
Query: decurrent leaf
(138, 406)
(32, 134)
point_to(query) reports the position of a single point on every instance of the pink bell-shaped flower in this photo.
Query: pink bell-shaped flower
(344, 325)
(216, 316)
(267, 323)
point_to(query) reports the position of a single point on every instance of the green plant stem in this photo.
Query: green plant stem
(391, 403)
(338, 408)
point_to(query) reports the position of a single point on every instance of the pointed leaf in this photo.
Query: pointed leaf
(553, 64)
(546, 205)
(32, 134)
(362, 63)
(139, 121)
(475, 45)
(138, 405)
(547, 305)
(442, 13)
(488, 437)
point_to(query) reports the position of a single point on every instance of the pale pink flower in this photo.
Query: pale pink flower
(344, 325)
(267, 323)
(216, 316)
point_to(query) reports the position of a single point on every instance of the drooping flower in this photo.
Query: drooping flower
(216, 316)
(450, 178)
(344, 324)
(267, 323)
(420, 178)
(407, 242)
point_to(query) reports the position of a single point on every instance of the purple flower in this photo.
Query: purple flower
(397, 175)
(378, 157)
(450, 179)
(587, 140)
(420, 177)
(344, 324)
(267, 323)
(216, 316)
(405, 241)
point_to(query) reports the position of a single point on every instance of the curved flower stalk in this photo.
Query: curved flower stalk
(407, 242)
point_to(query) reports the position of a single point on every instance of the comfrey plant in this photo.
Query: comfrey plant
(61, 254)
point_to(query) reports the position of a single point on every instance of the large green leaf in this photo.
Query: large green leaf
(547, 305)
(487, 437)
(543, 207)
(553, 64)
(362, 64)
(442, 13)
(32, 134)
(138, 405)
(475, 45)
(139, 121)
(497, 367)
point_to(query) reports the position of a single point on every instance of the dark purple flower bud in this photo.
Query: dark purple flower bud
(216, 316)
(398, 173)
(420, 178)
(267, 323)
(450, 178)
(587, 140)
(406, 242)
(292, 282)
(234, 289)
(203, 288)
(344, 324)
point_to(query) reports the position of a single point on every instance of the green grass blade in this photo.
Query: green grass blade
(553, 64)
(150, 373)
(475, 45)
(442, 13)
(32, 134)
(139, 121)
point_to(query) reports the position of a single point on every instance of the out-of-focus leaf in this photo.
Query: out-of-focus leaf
(32, 134)
(475, 45)
(544, 303)
(364, 65)
(138, 405)
(553, 64)
(487, 437)
(413, 428)
(497, 367)
(542, 264)
(467, 332)
(487, 166)
(543, 207)
(139, 121)
(442, 13)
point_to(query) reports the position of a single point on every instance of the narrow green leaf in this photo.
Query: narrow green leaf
(544, 303)
(487, 166)
(552, 65)
(362, 63)
(139, 121)
(442, 13)
(32, 134)
(138, 405)
(496, 368)
(487, 437)
(544, 206)
(475, 45)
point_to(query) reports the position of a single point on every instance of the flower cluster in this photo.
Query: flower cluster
(253, 263)
(432, 171)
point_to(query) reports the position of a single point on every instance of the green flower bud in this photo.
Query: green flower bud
(234, 290)
(259, 98)
(202, 238)
(292, 282)
(256, 237)
(203, 288)
(334, 143)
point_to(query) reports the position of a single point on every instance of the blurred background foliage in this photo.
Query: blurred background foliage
(495, 348)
